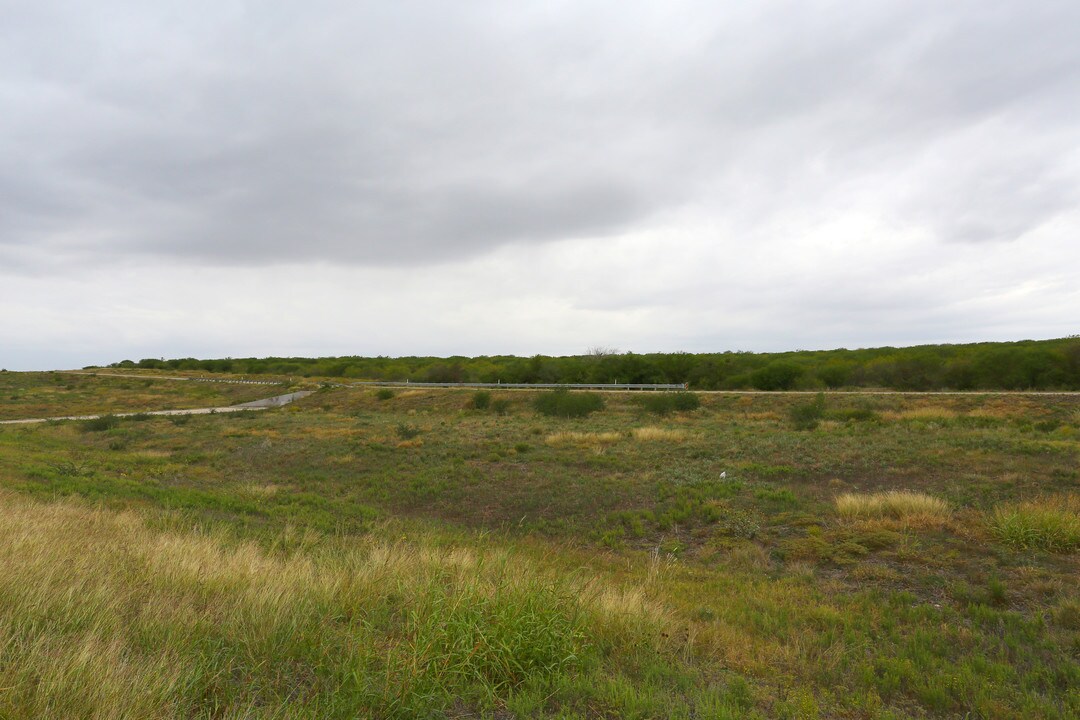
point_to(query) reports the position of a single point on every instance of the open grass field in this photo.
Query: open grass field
(366, 553)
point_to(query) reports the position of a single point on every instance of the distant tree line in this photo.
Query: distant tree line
(1025, 365)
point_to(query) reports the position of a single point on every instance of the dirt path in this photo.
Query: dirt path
(264, 404)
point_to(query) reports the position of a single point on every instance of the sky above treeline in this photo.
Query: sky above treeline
(217, 179)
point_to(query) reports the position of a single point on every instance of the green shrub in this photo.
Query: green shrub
(481, 399)
(406, 431)
(667, 403)
(805, 416)
(501, 406)
(561, 403)
(384, 393)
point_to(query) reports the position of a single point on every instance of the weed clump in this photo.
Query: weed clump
(1046, 524)
(481, 400)
(384, 394)
(562, 403)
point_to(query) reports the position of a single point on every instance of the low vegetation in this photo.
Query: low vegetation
(349, 556)
(105, 616)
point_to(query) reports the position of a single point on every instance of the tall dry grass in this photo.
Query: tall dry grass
(583, 438)
(907, 506)
(657, 434)
(104, 617)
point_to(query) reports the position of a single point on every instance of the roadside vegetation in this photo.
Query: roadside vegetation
(434, 553)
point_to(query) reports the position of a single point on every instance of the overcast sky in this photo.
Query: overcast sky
(229, 178)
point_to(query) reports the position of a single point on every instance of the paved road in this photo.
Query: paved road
(264, 404)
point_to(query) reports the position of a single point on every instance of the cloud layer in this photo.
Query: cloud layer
(896, 140)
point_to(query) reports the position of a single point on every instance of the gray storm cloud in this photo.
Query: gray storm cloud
(409, 133)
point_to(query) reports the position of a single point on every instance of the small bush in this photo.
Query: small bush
(805, 416)
(1046, 524)
(406, 431)
(500, 406)
(384, 394)
(100, 424)
(481, 399)
(561, 403)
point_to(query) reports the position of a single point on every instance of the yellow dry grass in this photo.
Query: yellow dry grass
(928, 413)
(151, 453)
(583, 438)
(253, 489)
(656, 434)
(907, 506)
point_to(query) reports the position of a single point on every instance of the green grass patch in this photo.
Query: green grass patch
(1051, 524)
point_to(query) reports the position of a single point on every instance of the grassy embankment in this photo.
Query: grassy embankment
(50, 394)
(413, 555)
